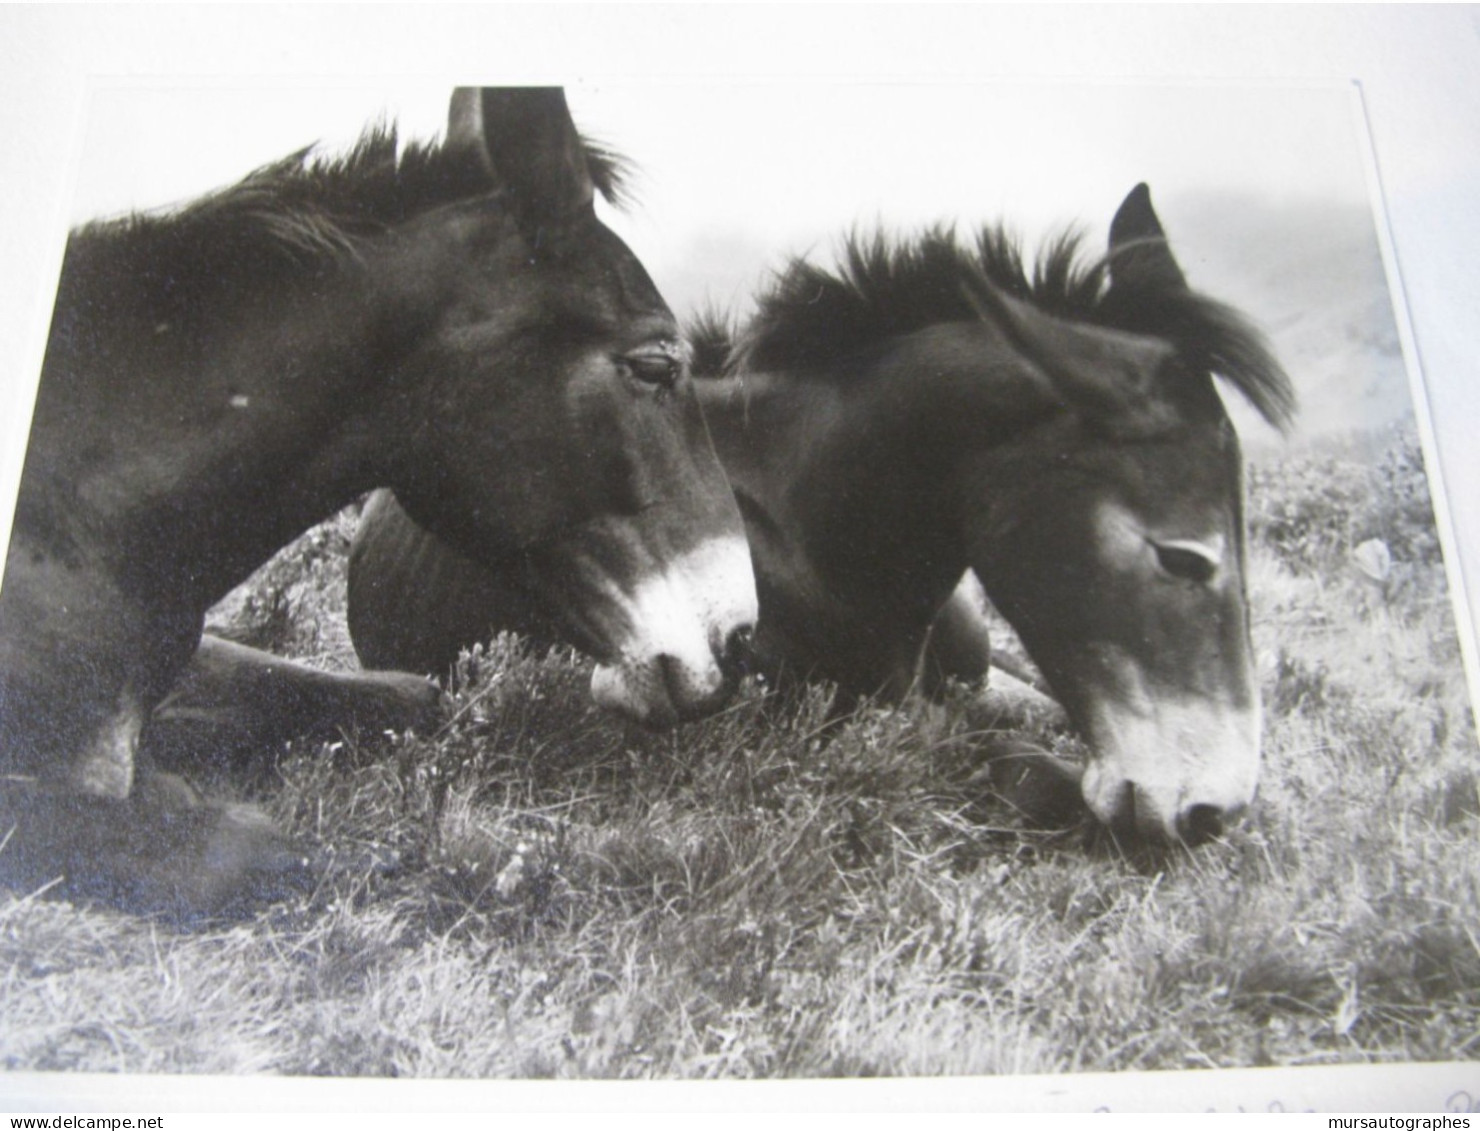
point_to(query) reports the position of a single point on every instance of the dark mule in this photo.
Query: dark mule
(934, 407)
(452, 321)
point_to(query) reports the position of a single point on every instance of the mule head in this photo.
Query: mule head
(545, 418)
(1113, 538)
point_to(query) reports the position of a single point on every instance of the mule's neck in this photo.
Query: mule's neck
(876, 444)
(217, 426)
(851, 480)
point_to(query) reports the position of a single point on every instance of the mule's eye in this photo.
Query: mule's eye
(661, 366)
(1188, 561)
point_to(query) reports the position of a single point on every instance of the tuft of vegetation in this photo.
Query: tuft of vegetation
(1313, 509)
(540, 890)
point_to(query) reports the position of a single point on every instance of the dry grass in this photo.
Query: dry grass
(537, 890)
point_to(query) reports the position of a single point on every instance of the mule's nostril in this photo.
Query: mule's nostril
(1200, 824)
(735, 659)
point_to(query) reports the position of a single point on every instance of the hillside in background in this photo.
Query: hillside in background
(1311, 275)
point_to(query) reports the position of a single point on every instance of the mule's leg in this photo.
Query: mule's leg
(133, 840)
(82, 661)
(959, 645)
(150, 853)
(92, 827)
(80, 664)
(234, 702)
(1043, 787)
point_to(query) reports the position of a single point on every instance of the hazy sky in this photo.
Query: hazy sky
(734, 177)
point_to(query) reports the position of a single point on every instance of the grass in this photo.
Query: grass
(539, 891)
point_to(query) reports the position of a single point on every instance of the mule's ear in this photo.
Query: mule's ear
(1140, 257)
(524, 139)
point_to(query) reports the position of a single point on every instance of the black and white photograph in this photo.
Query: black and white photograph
(601, 577)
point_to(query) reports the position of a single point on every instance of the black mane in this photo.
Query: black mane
(810, 316)
(298, 212)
